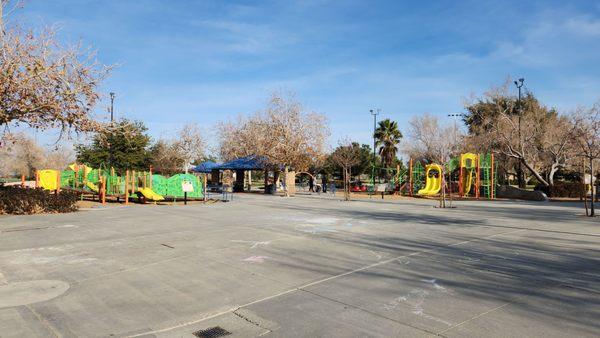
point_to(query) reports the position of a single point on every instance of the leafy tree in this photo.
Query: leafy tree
(363, 166)
(128, 142)
(346, 155)
(533, 135)
(387, 138)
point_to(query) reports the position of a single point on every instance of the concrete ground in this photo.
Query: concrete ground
(303, 267)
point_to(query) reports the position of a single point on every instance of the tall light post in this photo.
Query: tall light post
(374, 112)
(112, 106)
(519, 84)
(112, 118)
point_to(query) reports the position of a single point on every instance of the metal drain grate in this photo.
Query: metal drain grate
(213, 332)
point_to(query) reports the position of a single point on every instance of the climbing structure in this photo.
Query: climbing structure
(416, 177)
(489, 175)
(103, 182)
(469, 175)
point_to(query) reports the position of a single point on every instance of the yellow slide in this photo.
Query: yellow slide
(467, 181)
(468, 161)
(150, 195)
(86, 169)
(92, 186)
(433, 182)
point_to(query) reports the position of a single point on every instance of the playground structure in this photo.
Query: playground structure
(467, 175)
(475, 175)
(103, 183)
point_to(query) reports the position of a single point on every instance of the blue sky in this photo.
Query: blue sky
(206, 61)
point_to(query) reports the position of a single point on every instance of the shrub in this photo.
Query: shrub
(563, 189)
(22, 201)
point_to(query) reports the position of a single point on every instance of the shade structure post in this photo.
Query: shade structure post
(410, 177)
(477, 176)
(127, 187)
(492, 182)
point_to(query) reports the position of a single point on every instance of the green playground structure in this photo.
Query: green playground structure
(104, 182)
(473, 175)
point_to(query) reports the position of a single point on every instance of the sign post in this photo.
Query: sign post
(186, 186)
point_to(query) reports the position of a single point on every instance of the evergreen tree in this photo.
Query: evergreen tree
(128, 142)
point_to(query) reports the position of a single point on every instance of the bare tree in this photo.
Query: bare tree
(346, 155)
(166, 157)
(21, 156)
(58, 157)
(44, 84)
(556, 145)
(429, 140)
(190, 144)
(587, 138)
(284, 135)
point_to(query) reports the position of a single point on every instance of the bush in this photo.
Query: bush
(23, 201)
(563, 189)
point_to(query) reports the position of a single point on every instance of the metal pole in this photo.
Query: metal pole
(112, 102)
(374, 113)
(520, 179)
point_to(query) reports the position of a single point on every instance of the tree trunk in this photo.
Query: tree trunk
(593, 186)
(346, 185)
(290, 182)
(535, 173)
(285, 177)
(276, 177)
(584, 188)
(520, 176)
(553, 171)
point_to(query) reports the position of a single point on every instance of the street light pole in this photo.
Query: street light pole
(374, 113)
(112, 118)
(112, 102)
(520, 178)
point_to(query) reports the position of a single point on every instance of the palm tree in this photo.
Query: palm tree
(387, 138)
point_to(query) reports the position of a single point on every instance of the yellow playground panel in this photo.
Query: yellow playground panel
(48, 179)
(433, 177)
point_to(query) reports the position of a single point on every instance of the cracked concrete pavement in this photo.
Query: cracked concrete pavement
(303, 267)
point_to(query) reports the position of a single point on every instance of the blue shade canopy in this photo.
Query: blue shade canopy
(244, 163)
(206, 167)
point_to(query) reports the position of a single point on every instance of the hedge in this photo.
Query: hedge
(24, 201)
(563, 189)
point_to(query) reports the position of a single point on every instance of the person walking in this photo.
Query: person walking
(311, 184)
